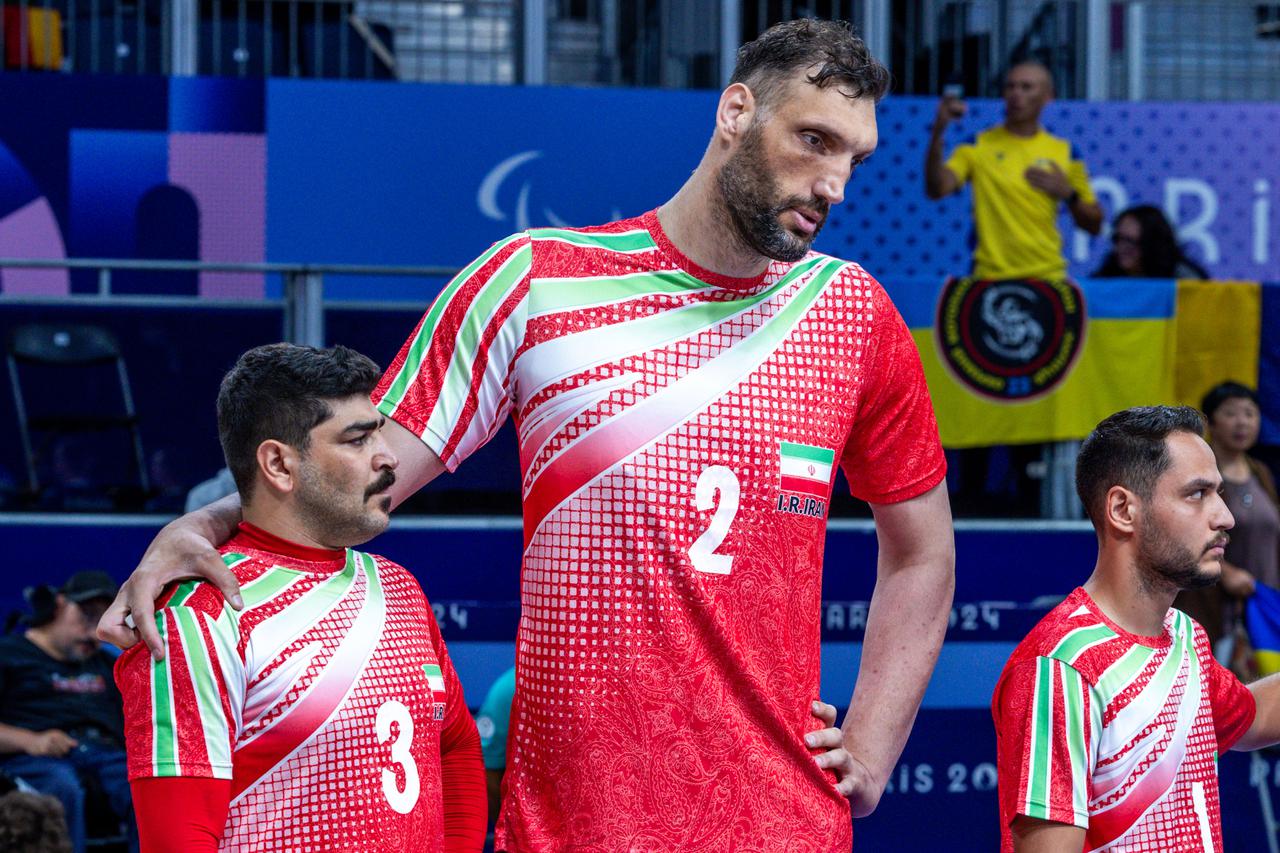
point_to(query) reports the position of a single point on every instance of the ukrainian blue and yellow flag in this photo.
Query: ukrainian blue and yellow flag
(1012, 362)
(1262, 617)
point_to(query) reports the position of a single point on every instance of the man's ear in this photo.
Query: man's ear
(1120, 510)
(736, 109)
(278, 466)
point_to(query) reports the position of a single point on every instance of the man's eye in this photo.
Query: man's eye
(357, 442)
(812, 139)
(1198, 494)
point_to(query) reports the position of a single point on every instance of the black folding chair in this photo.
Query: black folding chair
(63, 350)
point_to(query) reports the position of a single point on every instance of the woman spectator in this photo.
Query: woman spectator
(1144, 246)
(1253, 554)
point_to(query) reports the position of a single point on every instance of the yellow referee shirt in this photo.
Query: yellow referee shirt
(1017, 224)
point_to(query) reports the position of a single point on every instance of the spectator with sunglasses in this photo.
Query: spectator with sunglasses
(1145, 247)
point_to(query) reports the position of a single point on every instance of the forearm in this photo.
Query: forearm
(216, 522)
(1087, 217)
(15, 739)
(905, 628)
(937, 178)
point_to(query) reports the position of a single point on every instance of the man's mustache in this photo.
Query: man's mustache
(384, 482)
(1220, 542)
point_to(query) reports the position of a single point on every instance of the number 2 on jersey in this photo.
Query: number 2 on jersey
(391, 711)
(702, 553)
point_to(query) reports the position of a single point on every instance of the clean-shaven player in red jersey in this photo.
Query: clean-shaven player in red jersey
(684, 384)
(324, 714)
(1111, 714)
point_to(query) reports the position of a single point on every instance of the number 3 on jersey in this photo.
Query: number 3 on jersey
(391, 711)
(702, 553)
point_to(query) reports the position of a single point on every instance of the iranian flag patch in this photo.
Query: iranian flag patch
(435, 680)
(805, 469)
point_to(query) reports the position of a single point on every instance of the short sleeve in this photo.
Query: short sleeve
(1078, 176)
(1233, 705)
(962, 161)
(450, 384)
(892, 452)
(1045, 750)
(178, 713)
(494, 719)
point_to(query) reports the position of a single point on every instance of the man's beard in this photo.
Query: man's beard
(1163, 561)
(750, 197)
(346, 519)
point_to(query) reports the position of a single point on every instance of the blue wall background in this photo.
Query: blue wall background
(433, 174)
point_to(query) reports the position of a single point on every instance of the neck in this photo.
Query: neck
(41, 640)
(701, 229)
(1026, 127)
(276, 521)
(1130, 600)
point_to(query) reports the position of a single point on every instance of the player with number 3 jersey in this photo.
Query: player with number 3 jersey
(324, 715)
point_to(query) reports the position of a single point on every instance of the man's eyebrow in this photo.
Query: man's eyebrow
(1201, 483)
(364, 426)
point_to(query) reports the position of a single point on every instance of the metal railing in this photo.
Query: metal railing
(302, 292)
(1177, 49)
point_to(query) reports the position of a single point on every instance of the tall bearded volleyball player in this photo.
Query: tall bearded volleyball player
(684, 384)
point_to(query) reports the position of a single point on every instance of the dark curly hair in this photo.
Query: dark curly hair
(837, 55)
(32, 823)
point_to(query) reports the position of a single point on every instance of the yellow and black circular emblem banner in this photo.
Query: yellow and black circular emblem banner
(1010, 340)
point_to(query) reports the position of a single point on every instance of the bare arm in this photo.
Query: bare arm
(1032, 835)
(1087, 216)
(187, 548)
(1266, 723)
(939, 181)
(51, 742)
(905, 627)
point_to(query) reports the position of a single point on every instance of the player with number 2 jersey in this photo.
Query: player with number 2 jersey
(679, 432)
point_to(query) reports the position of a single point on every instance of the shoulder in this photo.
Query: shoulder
(623, 236)
(205, 597)
(1072, 635)
(1058, 144)
(386, 567)
(392, 573)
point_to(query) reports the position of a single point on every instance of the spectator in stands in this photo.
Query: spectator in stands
(1253, 554)
(1145, 247)
(32, 823)
(1021, 176)
(492, 722)
(61, 723)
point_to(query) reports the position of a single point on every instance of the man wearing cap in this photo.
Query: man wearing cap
(60, 712)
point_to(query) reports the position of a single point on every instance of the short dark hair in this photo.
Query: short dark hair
(1224, 391)
(766, 64)
(1129, 449)
(281, 392)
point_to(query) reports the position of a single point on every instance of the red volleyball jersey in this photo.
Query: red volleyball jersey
(679, 432)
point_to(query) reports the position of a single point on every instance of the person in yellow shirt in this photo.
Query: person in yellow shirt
(1021, 173)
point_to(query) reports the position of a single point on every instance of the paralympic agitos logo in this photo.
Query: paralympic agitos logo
(1010, 340)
